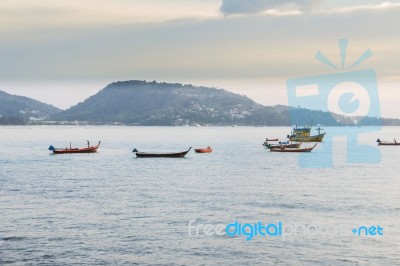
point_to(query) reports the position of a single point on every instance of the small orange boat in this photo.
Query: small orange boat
(206, 150)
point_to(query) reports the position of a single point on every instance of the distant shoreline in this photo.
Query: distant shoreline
(113, 125)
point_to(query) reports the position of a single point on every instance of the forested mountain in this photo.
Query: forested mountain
(151, 103)
(168, 104)
(17, 110)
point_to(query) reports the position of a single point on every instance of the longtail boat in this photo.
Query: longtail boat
(89, 149)
(206, 150)
(387, 143)
(164, 155)
(303, 134)
(284, 149)
(285, 144)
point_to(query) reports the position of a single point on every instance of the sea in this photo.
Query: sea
(239, 205)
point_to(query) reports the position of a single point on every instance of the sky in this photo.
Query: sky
(62, 51)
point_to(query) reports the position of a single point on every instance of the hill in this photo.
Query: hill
(18, 110)
(152, 103)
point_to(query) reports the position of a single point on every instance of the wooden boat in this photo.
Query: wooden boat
(387, 143)
(282, 144)
(206, 150)
(284, 149)
(164, 155)
(303, 134)
(317, 138)
(89, 149)
(267, 139)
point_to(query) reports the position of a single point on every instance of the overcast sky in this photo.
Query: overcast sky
(62, 51)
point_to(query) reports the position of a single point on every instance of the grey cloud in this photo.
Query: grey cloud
(230, 7)
(248, 47)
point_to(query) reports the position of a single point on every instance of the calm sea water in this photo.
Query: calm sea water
(113, 208)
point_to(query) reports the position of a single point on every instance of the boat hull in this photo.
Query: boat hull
(316, 138)
(162, 155)
(388, 144)
(289, 145)
(91, 149)
(203, 150)
(74, 151)
(284, 149)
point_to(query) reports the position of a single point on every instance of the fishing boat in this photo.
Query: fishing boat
(285, 144)
(163, 155)
(285, 149)
(387, 143)
(303, 134)
(206, 150)
(89, 149)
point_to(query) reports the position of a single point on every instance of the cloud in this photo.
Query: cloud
(357, 8)
(248, 47)
(297, 7)
(230, 7)
(34, 14)
(235, 52)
